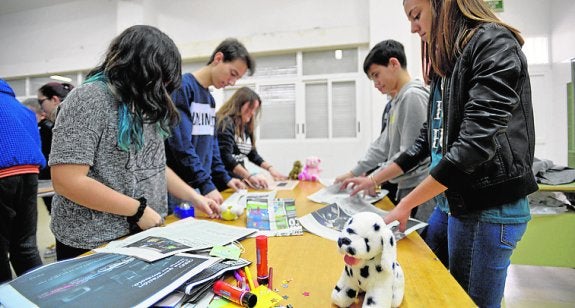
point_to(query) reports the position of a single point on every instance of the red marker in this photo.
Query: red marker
(262, 258)
(234, 294)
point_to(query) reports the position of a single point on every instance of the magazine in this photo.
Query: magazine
(193, 290)
(275, 217)
(97, 279)
(332, 194)
(212, 273)
(188, 234)
(328, 221)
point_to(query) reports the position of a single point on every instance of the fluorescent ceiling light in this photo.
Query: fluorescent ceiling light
(338, 54)
(61, 78)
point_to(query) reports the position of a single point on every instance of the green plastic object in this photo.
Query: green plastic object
(548, 241)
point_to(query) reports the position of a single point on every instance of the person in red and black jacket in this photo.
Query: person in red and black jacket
(20, 163)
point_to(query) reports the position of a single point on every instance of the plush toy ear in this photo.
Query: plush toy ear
(389, 253)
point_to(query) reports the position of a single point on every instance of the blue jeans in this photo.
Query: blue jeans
(478, 252)
(18, 224)
(435, 235)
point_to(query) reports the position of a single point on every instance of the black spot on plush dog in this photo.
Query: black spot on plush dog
(370, 254)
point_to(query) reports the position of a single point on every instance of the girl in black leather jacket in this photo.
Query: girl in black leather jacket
(480, 136)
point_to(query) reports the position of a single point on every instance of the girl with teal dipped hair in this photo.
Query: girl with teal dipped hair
(108, 159)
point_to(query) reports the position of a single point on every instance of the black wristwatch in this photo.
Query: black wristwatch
(136, 217)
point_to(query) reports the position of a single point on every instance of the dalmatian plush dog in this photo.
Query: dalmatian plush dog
(370, 255)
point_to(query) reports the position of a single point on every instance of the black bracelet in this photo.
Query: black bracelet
(136, 217)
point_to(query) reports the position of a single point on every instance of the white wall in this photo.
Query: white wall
(555, 20)
(64, 37)
(73, 35)
(562, 50)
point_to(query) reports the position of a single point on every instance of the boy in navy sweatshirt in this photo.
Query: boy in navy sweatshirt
(192, 150)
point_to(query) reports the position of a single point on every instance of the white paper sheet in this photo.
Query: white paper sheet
(188, 234)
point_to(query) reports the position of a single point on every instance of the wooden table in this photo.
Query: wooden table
(307, 267)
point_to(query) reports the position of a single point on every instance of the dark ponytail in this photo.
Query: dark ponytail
(59, 89)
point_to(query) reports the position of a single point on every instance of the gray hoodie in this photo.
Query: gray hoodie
(406, 117)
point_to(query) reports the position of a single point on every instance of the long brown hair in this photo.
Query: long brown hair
(232, 108)
(453, 24)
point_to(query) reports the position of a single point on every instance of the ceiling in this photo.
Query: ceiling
(15, 6)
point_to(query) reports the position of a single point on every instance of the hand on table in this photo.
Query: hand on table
(150, 219)
(357, 184)
(216, 196)
(236, 184)
(400, 213)
(257, 181)
(343, 177)
(208, 206)
(276, 175)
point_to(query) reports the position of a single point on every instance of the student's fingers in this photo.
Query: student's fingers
(346, 183)
(343, 177)
(278, 176)
(262, 183)
(355, 191)
(389, 218)
(252, 182)
(237, 184)
(399, 214)
(240, 185)
(211, 208)
(402, 224)
(215, 196)
(257, 182)
(215, 208)
(150, 219)
(360, 184)
(371, 191)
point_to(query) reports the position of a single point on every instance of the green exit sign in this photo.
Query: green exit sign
(496, 5)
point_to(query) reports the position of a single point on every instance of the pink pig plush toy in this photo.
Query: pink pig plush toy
(311, 169)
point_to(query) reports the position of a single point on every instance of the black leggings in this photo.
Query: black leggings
(64, 251)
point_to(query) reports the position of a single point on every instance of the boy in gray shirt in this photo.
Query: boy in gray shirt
(386, 66)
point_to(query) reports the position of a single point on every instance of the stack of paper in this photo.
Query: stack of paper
(332, 194)
(328, 221)
(98, 279)
(143, 268)
(188, 234)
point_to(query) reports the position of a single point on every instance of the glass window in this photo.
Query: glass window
(278, 111)
(276, 66)
(316, 111)
(343, 109)
(229, 91)
(19, 86)
(330, 61)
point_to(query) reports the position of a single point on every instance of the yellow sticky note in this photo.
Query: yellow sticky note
(266, 297)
